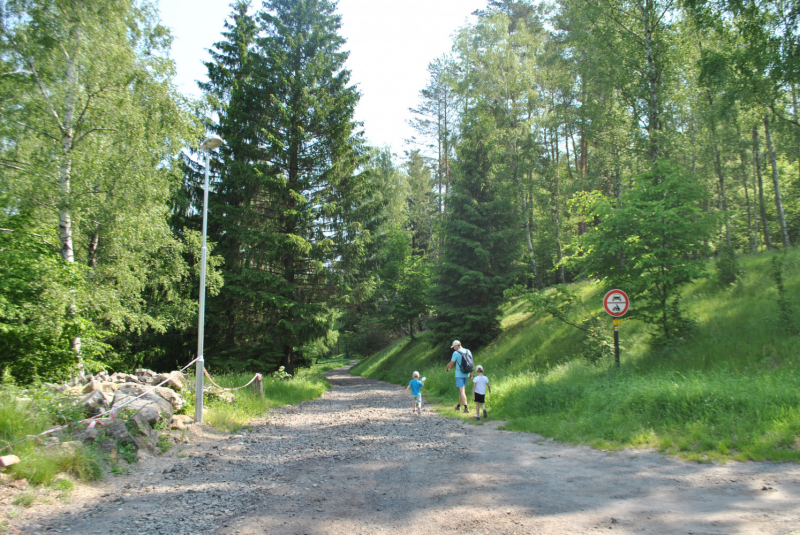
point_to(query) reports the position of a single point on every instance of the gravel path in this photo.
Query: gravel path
(357, 461)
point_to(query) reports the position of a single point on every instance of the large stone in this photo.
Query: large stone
(180, 422)
(175, 380)
(150, 406)
(69, 448)
(216, 394)
(175, 399)
(104, 387)
(94, 402)
(8, 460)
(119, 432)
(144, 435)
(89, 435)
(125, 378)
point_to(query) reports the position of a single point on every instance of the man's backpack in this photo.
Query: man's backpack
(467, 364)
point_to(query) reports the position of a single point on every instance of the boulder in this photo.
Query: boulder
(175, 399)
(216, 394)
(150, 406)
(89, 435)
(175, 381)
(119, 432)
(109, 447)
(69, 448)
(180, 422)
(104, 387)
(125, 378)
(94, 402)
(144, 435)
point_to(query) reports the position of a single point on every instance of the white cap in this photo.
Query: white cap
(479, 368)
(415, 374)
(455, 343)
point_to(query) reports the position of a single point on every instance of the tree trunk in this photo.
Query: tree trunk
(762, 205)
(288, 360)
(65, 176)
(557, 215)
(778, 202)
(723, 204)
(750, 234)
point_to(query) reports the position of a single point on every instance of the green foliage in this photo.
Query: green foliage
(648, 243)
(728, 270)
(787, 318)
(731, 391)
(91, 123)
(127, 452)
(164, 442)
(483, 239)
(292, 213)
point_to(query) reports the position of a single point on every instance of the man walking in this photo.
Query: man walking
(461, 377)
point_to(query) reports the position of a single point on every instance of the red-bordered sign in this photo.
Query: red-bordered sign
(616, 303)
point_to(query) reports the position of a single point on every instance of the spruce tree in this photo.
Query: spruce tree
(482, 240)
(292, 214)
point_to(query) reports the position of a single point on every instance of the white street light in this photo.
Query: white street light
(210, 143)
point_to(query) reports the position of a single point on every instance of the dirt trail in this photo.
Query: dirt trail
(357, 461)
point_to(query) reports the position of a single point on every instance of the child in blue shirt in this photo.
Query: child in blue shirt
(416, 386)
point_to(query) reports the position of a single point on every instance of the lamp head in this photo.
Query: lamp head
(211, 142)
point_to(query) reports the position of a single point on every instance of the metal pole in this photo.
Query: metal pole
(616, 345)
(198, 395)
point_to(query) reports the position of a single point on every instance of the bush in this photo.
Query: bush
(727, 266)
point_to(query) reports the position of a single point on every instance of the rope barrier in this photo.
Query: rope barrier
(257, 376)
(94, 419)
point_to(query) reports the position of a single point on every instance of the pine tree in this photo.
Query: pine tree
(482, 241)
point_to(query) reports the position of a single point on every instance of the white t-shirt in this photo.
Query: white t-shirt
(480, 384)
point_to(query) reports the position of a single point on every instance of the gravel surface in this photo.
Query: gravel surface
(358, 461)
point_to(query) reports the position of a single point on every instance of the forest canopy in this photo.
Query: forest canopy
(624, 142)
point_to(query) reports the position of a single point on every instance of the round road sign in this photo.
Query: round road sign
(616, 303)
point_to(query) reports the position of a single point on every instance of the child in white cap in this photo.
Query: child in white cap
(416, 386)
(479, 385)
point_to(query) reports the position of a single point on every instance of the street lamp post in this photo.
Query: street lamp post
(210, 143)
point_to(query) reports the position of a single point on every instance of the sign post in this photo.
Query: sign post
(616, 303)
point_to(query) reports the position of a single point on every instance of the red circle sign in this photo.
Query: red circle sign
(616, 303)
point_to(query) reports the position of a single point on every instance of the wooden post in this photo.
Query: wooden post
(258, 386)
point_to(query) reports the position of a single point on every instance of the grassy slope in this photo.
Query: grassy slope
(733, 391)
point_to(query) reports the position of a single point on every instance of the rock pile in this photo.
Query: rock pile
(132, 426)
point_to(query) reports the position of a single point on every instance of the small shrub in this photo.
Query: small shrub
(164, 442)
(280, 373)
(727, 266)
(127, 452)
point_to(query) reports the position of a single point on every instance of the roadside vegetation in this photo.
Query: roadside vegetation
(34, 409)
(308, 383)
(730, 390)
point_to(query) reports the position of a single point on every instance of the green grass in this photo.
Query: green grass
(29, 412)
(309, 383)
(732, 391)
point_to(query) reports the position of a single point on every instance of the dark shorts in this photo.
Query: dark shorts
(480, 398)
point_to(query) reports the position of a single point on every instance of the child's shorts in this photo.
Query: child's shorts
(417, 398)
(480, 398)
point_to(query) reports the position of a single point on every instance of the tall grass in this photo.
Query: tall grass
(731, 391)
(29, 412)
(308, 383)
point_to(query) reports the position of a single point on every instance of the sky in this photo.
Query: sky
(391, 43)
